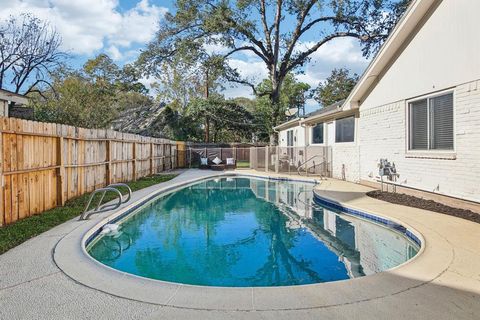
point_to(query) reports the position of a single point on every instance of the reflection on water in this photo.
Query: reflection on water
(249, 232)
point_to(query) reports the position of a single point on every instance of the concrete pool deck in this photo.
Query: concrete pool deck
(43, 278)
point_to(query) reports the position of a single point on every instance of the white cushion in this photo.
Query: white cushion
(230, 161)
(204, 161)
(217, 160)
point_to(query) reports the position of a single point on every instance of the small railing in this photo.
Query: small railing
(103, 191)
(305, 170)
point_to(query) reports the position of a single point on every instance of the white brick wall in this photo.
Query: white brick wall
(346, 156)
(382, 134)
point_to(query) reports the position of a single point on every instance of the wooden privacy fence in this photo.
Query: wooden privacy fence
(45, 164)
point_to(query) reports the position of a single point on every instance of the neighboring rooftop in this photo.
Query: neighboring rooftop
(10, 96)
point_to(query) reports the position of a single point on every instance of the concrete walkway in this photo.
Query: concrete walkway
(442, 283)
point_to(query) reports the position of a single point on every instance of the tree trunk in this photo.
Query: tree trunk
(207, 129)
(207, 121)
(275, 101)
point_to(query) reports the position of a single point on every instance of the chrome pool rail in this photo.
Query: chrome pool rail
(122, 185)
(305, 170)
(99, 208)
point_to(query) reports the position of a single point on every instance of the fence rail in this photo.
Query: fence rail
(45, 164)
(311, 160)
(240, 154)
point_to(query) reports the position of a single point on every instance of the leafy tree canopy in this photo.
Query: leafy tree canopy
(336, 87)
(278, 32)
(292, 95)
(92, 97)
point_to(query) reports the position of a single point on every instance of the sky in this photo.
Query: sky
(121, 28)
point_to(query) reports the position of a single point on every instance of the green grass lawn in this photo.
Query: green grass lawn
(20, 231)
(243, 164)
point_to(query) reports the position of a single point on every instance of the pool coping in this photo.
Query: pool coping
(71, 257)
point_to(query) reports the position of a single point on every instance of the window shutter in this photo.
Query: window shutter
(419, 125)
(441, 122)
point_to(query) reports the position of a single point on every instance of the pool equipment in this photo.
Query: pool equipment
(387, 169)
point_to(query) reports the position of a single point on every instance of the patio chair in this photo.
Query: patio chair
(231, 163)
(217, 164)
(204, 163)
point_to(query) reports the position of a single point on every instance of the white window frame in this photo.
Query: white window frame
(430, 153)
(346, 143)
(293, 137)
(311, 134)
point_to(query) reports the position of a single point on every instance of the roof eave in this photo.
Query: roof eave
(288, 124)
(388, 52)
(13, 97)
(334, 114)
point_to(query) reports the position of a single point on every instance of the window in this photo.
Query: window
(317, 134)
(431, 123)
(345, 129)
(289, 138)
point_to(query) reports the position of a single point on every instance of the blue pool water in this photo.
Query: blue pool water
(242, 232)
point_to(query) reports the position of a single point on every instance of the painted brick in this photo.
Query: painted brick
(382, 134)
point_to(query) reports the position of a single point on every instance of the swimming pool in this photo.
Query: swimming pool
(244, 232)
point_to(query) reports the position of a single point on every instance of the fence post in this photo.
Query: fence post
(2, 198)
(172, 158)
(151, 159)
(253, 158)
(164, 155)
(109, 161)
(61, 172)
(277, 160)
(266, 158)
(305, 158)
(190, 157)
(134, 144)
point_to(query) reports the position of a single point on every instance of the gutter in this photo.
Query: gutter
(286, 124)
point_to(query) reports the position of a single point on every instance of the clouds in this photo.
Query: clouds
(253, 70)
(89, 26)
(338, 53)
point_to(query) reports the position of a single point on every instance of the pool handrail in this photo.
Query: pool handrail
(87, 213)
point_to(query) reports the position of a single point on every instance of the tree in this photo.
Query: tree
(228, 120)
(292, 94)
(93, 96)
(104, 71)
(336, 87)
(275, 31)
(189, 74)
(29, 51)
(75, 101)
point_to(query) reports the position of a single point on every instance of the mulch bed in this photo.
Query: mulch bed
(411, 201)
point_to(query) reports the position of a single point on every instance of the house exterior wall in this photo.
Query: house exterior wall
(429, 63)
(344, 156)
(441, 55)
(298, 133)
(345, 162)
(383, 134)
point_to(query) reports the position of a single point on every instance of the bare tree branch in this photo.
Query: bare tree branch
(29, 48)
